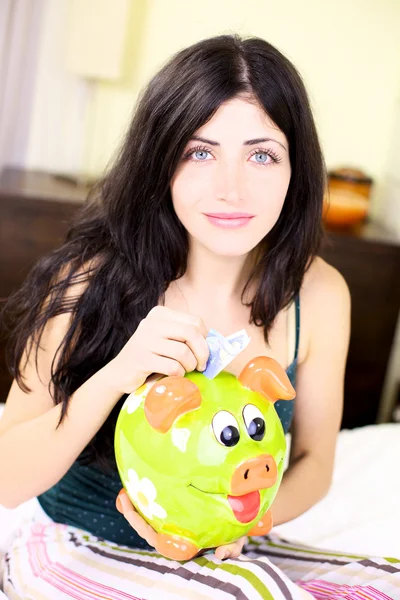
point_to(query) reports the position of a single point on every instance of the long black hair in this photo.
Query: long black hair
(128, 244)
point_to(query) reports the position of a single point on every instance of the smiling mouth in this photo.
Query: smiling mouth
(236, 215)
(229, 220)
(245, 507)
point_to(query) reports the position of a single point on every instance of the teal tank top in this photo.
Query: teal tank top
(85, 496)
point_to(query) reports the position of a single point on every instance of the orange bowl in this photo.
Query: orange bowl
(344, 208)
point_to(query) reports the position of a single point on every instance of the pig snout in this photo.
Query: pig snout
(254, 474)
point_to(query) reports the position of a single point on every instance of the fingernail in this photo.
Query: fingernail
(224, 555)
(118, 504)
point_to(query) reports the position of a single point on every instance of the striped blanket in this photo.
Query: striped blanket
(48, 560)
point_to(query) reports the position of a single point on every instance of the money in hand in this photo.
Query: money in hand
(223, 350)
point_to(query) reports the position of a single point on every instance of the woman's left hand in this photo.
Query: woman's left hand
(125, 506)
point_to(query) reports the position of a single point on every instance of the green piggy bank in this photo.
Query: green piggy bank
(201, 460)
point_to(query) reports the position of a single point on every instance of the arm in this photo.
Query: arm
(319, 402)
(38, 453)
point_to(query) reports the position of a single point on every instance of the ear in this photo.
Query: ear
(169, 398)
(265, 376)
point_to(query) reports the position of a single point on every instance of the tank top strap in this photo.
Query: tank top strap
(297, 309)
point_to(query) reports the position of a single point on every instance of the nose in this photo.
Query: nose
(228, 182)
(254, 474)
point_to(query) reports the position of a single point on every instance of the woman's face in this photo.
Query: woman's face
(230, 185)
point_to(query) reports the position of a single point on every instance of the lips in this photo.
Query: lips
(229, 220)
(246, 507)
(235, 215)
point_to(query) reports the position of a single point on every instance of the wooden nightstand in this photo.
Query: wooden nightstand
(35, 212)
(369, 260)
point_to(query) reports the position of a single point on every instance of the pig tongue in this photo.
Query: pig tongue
(246, 507)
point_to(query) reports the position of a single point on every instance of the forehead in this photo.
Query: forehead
(242, 118)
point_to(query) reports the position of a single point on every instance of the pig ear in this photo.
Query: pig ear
(169, 398)
(265, 376)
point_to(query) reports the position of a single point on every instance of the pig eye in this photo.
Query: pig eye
(226, 428)
(254, 421)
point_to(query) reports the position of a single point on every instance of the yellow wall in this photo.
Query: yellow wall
(347, 52)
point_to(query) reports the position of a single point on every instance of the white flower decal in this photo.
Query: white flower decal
(143, 493)
(180, 438)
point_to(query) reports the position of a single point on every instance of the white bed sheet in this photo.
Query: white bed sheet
(360, 514)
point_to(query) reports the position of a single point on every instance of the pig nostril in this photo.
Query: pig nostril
(267, 467)
(246, 474)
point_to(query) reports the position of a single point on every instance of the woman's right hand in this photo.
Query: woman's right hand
(166, 342)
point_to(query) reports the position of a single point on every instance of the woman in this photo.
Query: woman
(210, 217)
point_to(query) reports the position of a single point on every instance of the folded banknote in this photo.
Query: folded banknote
(223, 350)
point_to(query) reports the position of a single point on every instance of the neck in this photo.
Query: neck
(222, 277)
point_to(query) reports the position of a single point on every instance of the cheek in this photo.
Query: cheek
(187, 191)
(270, 193)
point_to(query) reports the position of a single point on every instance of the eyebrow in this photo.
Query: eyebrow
(246, 143)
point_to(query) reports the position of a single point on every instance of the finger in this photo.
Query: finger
(139, 525)
(167, 366)
(169, 314)
(178, 351)
(124, 503)
(230, 550)
(223, 552)
(192, 336)
(135, 520)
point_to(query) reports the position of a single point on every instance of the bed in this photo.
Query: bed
(360, 514)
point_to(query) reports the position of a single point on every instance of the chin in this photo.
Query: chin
(229, 248)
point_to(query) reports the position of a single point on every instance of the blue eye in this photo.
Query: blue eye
(264, 157)
(197, 154)
(264, 154)
(226, 428)
(201, 154)
(229, 436)
(254, 421)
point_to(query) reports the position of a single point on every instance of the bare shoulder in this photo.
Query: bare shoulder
(79, 280)
(37, 361)
(323, 285)
(57, 327)
(325, 308)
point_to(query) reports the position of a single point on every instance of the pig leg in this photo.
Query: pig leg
(264, 525)
(175, 547)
